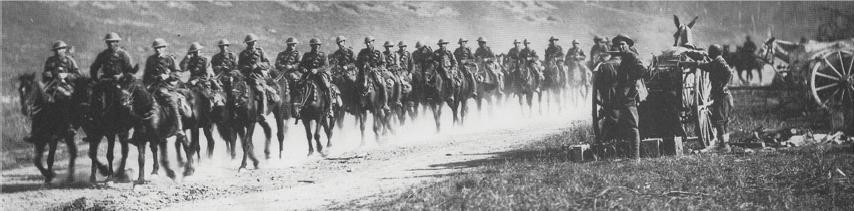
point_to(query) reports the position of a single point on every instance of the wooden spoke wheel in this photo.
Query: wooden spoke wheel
(832, 79)
(697, 103)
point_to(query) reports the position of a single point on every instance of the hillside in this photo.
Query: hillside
(28, 28)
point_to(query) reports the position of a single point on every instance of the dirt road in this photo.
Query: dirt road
(388, 166)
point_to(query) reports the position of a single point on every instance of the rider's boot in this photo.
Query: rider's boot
(472, 82)
(383, 91)
(325, 87)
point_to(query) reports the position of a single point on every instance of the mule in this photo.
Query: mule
(684, 36)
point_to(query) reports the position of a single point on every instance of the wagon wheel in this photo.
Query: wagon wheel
(704, 129)
(831, 80)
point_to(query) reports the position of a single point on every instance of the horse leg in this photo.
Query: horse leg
(195, 140)
(437, 115)
(164, 161)
(37, 160)
(208, 130)
(268, 134)
(178, 155)
(464, 109)
(306, 123)
(155, 167)
(244, 145)
(51, 156)
(361, 117)
(317, 127)
(251, 146)
(140, 159)
(328, 124)
(189, 150)
(282, 128)
(72, 156)
(93, 156)
(378, 121)
(111, 144)
(123, 142)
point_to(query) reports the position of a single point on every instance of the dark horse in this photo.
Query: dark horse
(433, 91)
(154, 125)
(209, 110)
(52, 118)
(490, 86)
(105, 117)
(345, 79)
(555, 80)
(243, 114)
(370, 101)
(526, 84)
(280, 108)
(313, 114)
(460, 88)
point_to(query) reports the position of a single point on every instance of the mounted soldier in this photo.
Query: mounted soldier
(393, 70)
(114, 64)
(314, 64)
(224, 61)
(404, 58)
(254, 64)
(466, 61)
(370, 62)
(513, 56)
(554, 51)
(59, 71)
(288, 60)
(575, 62)
(198, 67)
(484, 54)
(446, 63)
(161, 76)
(528, 58)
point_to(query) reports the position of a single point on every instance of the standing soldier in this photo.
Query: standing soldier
(224, 61)
(464, 56)
(314, 63)
(554, 51)
(446, 63)
(254, 64)
(528, 57)
(59, 69)
(370, 61)
(161, 73)
(719, 76)
(288, 60)
(404, 58)
(628, 73)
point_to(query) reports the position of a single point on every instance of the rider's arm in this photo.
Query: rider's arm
(280, 61)
(93, 69)
(126, 63)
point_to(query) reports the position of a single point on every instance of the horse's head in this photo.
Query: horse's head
(684, 35)
(28, 91)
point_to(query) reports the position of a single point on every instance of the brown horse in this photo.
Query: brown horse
(460, 88)
(370, 100)
(344, 77)
(490, 82)
(51, 120)
(243, 114)
(210, 110)
(433, 92)
(105, 117)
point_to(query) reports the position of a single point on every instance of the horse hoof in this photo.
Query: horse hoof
(104, 170)
(140, 182)
(49, 176)
(170, 174)
(189, 172)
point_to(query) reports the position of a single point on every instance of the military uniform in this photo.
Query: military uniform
(287, 61)
(626, 98)
(196, 65)
(719, 76)
(160, 73)
(595, 51)
(370, 62)
(574, 59)
(111, 63)
(527, 57)
(253, 63)
(223, 62)
(343, 57)
(58, 71)
(463, 55)
(446, 62)
(486, 55)
(314, 63)
(404, 59)
(606, 86)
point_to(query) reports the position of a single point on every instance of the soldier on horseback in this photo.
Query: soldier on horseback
(201, 76)
(370, 62)
(464, 56)
(446, 63)
(404, 58)
(485, 55)
(528, 57)
(314, 63)
(393, 67)
(59, 70)
(574, 60)
(554, 51)
(253, 63)
(161, 74)
(114, 63)
(224, 61)
(289, 60)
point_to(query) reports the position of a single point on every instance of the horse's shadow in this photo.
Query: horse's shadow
(35, 186)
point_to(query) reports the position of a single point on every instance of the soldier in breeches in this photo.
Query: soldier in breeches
(370, 61)
(463, 55)
(404, 58)
(446, 63)
(161, 74)
(253, 63)
(628, 73)
(484, 53)
(314, 63)
(719, 76)
(554, 51)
